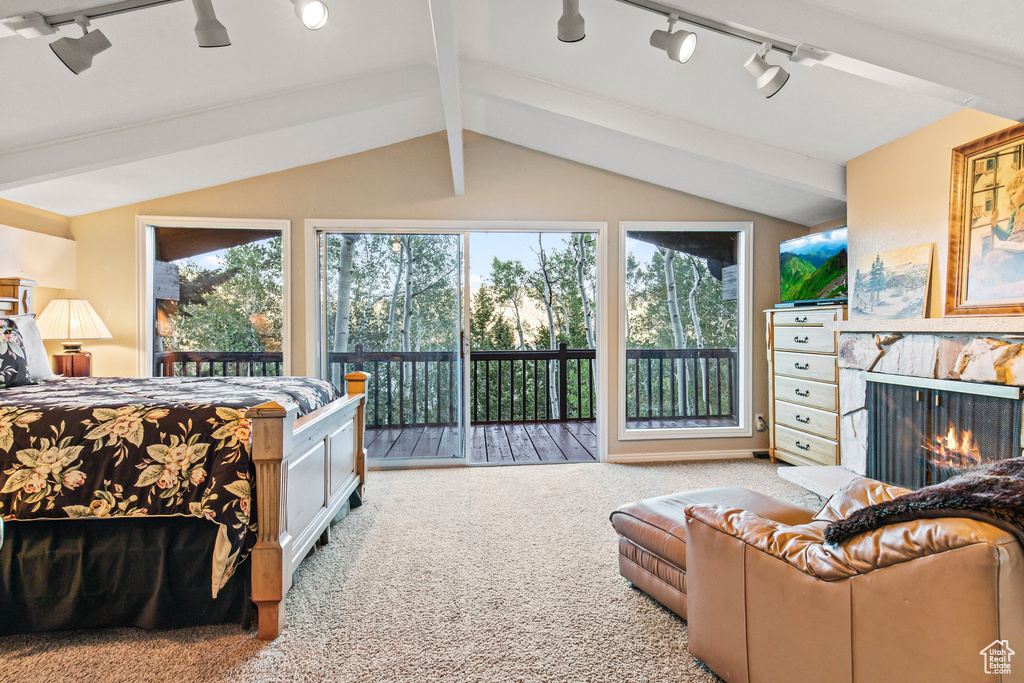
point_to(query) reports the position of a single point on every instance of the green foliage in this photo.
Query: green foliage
(803, 282)
(649, 324)
(490, 329)
(237, 307)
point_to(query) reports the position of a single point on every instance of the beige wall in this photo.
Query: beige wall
(829, 225)
(412, 180)
(898, 194)
(45, 222)
(31, 218)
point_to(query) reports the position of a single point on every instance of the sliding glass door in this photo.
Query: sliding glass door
(391, 306)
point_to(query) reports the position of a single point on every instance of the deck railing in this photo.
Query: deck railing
(680, 384)
(532, 385)
(420, 388)
(505, 386)
(217, 364)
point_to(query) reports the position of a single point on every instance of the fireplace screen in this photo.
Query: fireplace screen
(918, 437)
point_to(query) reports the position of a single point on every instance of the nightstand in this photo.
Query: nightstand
(73, 364)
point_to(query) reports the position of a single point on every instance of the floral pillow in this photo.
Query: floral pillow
(13, 361)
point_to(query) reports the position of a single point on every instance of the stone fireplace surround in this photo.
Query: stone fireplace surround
(969, 349)
(966, 349)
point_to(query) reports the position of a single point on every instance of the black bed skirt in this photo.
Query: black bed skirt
(152, 573)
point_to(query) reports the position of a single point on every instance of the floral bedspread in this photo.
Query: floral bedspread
(119, 447)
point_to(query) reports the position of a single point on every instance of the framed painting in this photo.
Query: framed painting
(892, 284)
(986, 226)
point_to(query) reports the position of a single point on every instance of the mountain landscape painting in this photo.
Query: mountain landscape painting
(892, 284)
(813, 268)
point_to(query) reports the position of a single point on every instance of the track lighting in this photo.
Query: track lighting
(209, 31)
(570, 25)
(77, 53)
(312, 13)
(770, 79)
(679, 46)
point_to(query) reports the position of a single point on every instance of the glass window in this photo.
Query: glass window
(683, 325)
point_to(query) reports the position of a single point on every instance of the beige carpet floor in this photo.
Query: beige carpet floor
(477, 574)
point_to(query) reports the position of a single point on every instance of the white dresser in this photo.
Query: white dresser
(803, 385)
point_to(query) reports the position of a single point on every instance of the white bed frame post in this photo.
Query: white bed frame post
(307, 468)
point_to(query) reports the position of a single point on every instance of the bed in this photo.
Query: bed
(227, 481)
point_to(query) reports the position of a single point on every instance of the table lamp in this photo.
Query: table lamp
(72, 321)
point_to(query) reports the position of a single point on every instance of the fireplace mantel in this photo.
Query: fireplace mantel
(951, 325)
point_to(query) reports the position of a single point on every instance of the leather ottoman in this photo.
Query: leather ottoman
(652, 540)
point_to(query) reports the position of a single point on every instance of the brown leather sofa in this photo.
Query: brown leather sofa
(913, 601)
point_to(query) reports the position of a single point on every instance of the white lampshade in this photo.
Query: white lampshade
(71, 319)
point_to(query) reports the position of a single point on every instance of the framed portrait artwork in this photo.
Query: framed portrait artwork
(986, 226)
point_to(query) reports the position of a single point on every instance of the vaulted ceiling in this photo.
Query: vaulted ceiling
(156, 115)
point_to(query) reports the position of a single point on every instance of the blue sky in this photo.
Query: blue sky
(483, 247)
(833, 239)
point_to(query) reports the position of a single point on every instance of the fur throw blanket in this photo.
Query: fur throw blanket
(992, 493)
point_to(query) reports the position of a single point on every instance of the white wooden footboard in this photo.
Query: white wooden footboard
(306, 470)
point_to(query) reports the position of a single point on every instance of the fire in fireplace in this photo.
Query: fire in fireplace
(956, 450)
(922, 432)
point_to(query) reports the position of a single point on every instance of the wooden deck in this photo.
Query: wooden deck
(506, 443)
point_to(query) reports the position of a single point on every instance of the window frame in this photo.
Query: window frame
(145, 246)
(745, 315)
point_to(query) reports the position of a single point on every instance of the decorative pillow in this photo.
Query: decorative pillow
(35, 351)
(13, 363)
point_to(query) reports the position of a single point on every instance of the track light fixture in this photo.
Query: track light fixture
(77, 53)
(209, 31)
(679, 46)
(769, 79)
(570, 25)
(312, 13)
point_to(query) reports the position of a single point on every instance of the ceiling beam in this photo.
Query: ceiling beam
(633, 157)
(384, 123)
(446, 46)
(875, 52)
(797, 170)
(106, 149)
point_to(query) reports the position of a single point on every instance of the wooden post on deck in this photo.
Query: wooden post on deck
(355, 384)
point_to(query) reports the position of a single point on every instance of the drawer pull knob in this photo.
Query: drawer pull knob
(804, 420)
(798, 340)
(802, 366)
(805, 394)
(801, 319)
(803, 447)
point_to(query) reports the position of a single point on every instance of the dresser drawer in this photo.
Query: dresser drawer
(807, 365)
(803, 317)
(807, 419)
(813, 339)
(807, 392)
(806, 445)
